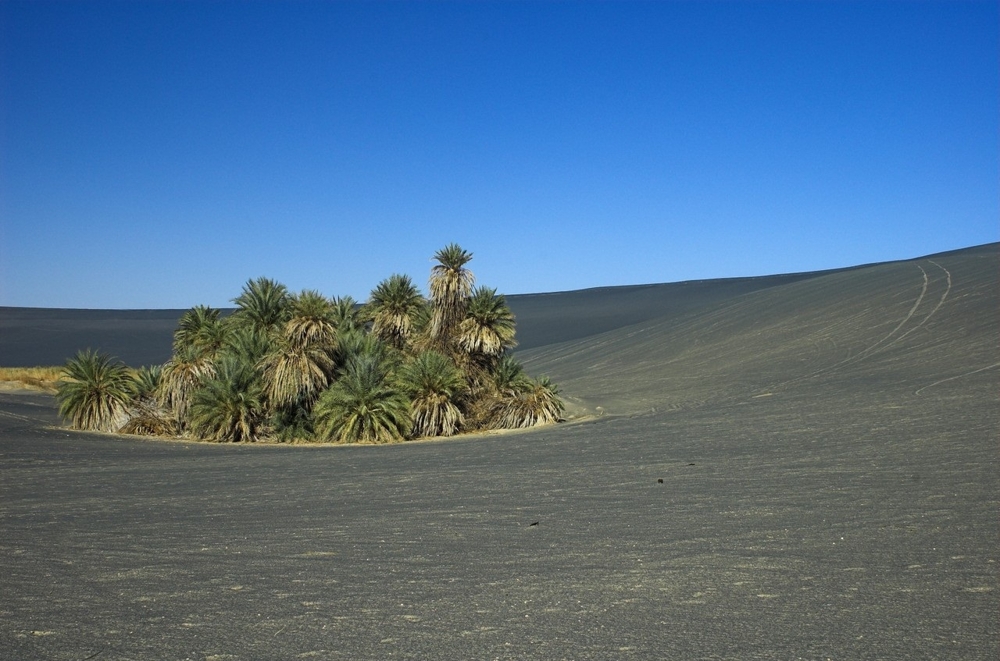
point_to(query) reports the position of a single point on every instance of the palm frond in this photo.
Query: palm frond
(229, 407)
(536, 404)
(392, 308)
(263, 304)
(488, 328)
(95, 392)
(362, 406)
(433, 384)
(147, 418)
(450, 287)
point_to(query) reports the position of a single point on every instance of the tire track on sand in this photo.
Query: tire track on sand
(869, 350)
(937, 307)
(959, 376)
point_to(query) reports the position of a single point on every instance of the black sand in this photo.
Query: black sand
(828, 455)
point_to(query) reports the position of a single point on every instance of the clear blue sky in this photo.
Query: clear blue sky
(159, 155)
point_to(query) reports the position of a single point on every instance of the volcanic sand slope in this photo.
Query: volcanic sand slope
(899, 325)
(40, 336)
(43, 336)
(827, 451)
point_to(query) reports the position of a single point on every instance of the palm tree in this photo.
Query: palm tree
(145, 381)
(95, 392)
(450, 286)
(263, 304)
(181, 376)
(362, 406)
(229, 406)
(145, 415)
(300, 361)
(346, 314)
(532, 403)
(247, 343)
(202, 328)
(392, 308)
(433, 383)
(488, 327)
(355, 343)
(295, 373)
(501, 380)
(312, 320)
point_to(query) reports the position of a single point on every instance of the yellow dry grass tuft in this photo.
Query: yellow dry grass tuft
(31, 378)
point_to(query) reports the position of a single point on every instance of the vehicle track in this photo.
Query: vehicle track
(958, 376)
(893, 336)
(937, 307)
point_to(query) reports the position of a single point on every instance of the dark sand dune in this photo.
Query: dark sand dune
(44, 336)
(802, 471)
(909, 323)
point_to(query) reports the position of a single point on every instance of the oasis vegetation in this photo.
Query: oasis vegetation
(286, 367)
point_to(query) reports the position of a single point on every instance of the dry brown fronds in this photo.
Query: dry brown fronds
(44, 379)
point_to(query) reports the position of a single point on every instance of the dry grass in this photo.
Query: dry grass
(44, 379)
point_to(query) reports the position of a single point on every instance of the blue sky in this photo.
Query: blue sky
(159, 155)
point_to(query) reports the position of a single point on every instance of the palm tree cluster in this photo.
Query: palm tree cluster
(304, 367)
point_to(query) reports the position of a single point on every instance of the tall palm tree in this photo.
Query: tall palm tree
(362, 406)
(488, 328)
(433, 384)
(450, 287)
(229, 406)
(392, 308)
(300, 362)
(95, 392)
(263, 304)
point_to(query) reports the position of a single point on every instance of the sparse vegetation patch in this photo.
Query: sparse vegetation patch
(45, 379)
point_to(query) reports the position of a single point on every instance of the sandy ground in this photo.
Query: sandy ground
(806, 471)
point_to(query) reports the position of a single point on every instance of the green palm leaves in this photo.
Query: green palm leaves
(200, 328)
(294, 367)
(95, 392)
(433, 383)
(362, 406)
(393, 308)
(451, 285)
(488, 327)
(229, 406)
(262, 304)
(312, 320)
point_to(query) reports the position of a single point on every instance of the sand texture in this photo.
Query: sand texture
(803, 468)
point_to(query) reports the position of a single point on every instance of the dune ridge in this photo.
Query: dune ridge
(911, 322)
(49, 336)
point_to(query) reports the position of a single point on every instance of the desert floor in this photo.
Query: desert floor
(806, 469)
